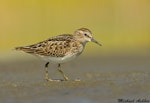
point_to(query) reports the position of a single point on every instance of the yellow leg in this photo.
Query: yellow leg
(64, 76)
(46, 74)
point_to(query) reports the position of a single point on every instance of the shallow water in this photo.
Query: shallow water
(102, 80)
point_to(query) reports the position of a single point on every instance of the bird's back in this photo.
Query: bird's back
(58, 46)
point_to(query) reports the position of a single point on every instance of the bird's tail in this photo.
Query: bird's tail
(26, 49)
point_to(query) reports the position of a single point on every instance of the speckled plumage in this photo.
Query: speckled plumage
(58, 46)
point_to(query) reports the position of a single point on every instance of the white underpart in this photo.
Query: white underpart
(58, 59)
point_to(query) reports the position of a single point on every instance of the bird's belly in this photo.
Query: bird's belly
(59, 59)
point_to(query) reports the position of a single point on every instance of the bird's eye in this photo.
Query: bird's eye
(85, 34)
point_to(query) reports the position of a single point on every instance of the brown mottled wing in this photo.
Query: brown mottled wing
(58, 46)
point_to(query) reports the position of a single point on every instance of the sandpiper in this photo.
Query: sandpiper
(60, 49)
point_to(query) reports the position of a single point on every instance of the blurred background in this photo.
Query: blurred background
(122, 26)
(118, 69)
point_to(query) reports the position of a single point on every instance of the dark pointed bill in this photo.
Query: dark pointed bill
(93, 40)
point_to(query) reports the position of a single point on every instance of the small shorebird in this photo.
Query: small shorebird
(60, 49)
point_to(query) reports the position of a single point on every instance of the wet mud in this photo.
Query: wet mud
(103, 80)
